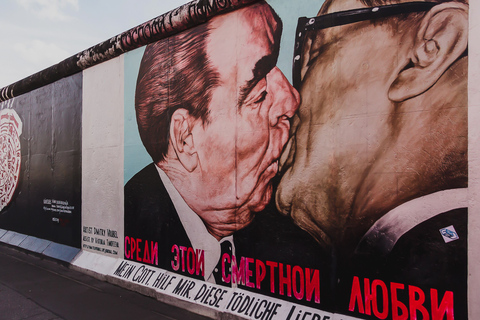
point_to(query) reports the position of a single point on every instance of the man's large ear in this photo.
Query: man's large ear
(181, 139)
(442, 38)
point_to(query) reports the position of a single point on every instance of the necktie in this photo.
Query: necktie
(226, 247)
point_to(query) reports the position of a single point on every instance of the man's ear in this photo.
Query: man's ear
(442, 38)
(181, 139)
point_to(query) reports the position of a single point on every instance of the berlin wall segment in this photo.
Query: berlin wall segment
(342, 193)
(41, 169)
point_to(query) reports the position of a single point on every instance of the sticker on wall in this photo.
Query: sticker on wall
(10, 155)
(449, 234)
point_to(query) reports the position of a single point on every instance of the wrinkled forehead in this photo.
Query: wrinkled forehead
(246, 35)
(261, 16)
(258, 20)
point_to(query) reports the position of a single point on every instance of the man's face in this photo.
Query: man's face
(248, 125)
(344, 124)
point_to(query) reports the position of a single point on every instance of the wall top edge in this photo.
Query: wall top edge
(172, 22)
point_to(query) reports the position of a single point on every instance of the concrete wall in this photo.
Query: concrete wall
(361, 206)
(41, 141)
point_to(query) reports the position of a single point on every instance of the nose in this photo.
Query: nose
(285, 98)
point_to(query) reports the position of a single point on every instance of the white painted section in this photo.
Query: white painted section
(102, 157)
(101, 264)
(234, 301)
(474, 161)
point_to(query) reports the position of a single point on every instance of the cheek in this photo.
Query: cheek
(251, 144)
(217, 150)
(320, 87)
(252, 139)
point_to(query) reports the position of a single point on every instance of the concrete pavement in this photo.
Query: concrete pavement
(34, 288)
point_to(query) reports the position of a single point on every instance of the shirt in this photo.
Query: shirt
(195, 228)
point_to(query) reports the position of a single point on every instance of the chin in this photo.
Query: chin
(262, 199)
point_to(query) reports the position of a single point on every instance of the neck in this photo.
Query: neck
(220, 222)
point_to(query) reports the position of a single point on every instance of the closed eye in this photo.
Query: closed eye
(262, 97)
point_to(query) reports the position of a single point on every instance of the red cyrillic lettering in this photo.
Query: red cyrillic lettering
(139, 241)
(176, 266)
(369, 296)
(272, 266)
(146, 253)
(260, 272)
(182, 254)
(376, 312)
(191, 260)
(417, 304)
(285, 280)
(200, 262)
(225, 278)
(445, 307)
(312, 284)
(248, 273)
(238, 272)
(403, 315)
(300, 280)
(356, 296)
(127, 243)
(155, 253)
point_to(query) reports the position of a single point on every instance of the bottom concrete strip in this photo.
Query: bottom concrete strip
(2, 232)
(13, 238)
(35, 244)
(61, 252)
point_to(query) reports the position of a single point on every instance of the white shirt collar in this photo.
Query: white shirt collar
(386, 231)
(195, 228)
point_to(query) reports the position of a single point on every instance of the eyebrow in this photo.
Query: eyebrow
(261, 69)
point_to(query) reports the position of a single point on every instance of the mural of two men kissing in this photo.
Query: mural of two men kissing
(347, 192)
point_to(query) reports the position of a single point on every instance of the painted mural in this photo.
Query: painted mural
(339, 190)
(40, 162)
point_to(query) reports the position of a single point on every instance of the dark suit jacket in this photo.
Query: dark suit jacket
(150, 215)
(420, 258)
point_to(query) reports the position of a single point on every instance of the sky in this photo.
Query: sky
(36, 34)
